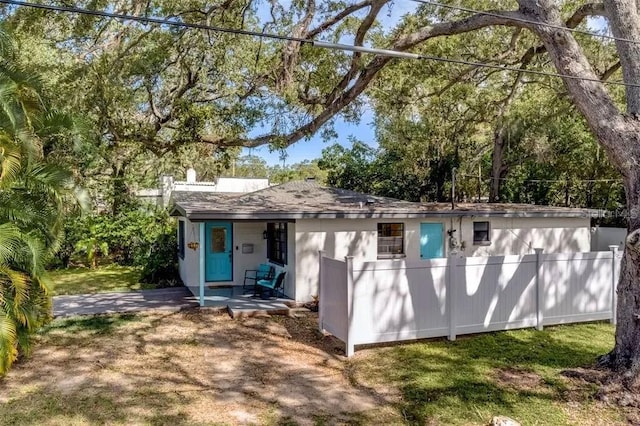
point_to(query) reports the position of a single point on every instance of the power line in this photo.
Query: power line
(315, 43)
(543, 180)
(526, 21)
(150, 20)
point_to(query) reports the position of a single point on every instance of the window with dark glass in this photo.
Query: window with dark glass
(218, 240)
(390, 239)
(277, 242)
(481, 233)
(181, 239)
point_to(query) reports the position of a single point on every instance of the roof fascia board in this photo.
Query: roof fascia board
(205, 215)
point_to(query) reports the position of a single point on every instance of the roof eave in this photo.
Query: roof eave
(202, 215)
(177, 210)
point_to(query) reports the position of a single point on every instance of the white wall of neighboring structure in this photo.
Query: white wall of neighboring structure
(359, 238)
(240, 184)
(603, 237)
(150, 196)
(236, 185)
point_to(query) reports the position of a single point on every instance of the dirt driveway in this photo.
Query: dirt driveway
(191, 367)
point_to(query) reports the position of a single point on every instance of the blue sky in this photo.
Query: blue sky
(311, 149)
(363, 131)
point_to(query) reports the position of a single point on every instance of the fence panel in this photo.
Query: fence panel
(399, 300)
(577, 287)
(495, 293)
(333, 297)
(392, 300)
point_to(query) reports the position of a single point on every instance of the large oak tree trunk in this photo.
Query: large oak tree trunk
(624, 17)
(618, 133)
(626, 353)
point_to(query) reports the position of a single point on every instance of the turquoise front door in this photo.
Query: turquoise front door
(218, 251)
(431, 240)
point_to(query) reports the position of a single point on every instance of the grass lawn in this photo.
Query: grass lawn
(514, 373)
(198, 367)
(79, 280)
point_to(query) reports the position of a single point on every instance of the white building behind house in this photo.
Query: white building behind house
(162, 196)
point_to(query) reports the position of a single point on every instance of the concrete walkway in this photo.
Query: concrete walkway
(171, 299)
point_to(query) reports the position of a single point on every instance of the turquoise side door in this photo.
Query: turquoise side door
(431, 240)
(218, 251)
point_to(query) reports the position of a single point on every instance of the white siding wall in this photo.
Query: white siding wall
(248, 233)
(358, 238)
(189, 269)
(338, 238)
(520, 235)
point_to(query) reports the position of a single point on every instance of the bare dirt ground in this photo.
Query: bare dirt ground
(189, 367)
(201, 367)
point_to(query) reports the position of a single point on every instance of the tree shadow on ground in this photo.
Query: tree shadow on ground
(103, 279)
(511, 373)
(100, 324)
(185, 367)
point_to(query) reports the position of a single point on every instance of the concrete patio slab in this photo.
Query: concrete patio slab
(241, 307)
(241, 302)
(170, 299)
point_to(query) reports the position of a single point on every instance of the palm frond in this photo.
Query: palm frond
(10, 236)
(8, 342)
(16, 289)
(10, 160)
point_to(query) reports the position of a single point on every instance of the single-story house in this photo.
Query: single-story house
(223, 234)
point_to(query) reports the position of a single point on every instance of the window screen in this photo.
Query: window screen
(277, 242)
(390, 239)
(481, 233)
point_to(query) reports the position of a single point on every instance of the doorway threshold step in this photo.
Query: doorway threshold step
(250, 307)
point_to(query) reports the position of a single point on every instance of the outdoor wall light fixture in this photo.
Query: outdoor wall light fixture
(265, 235)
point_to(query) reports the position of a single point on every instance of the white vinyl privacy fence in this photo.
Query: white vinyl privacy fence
(392, 300)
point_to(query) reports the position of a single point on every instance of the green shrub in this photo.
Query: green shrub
(161, 265)
(134, 237)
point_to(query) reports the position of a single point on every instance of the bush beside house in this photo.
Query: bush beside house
(134, 237)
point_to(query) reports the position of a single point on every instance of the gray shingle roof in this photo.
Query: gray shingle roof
(307, 199)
